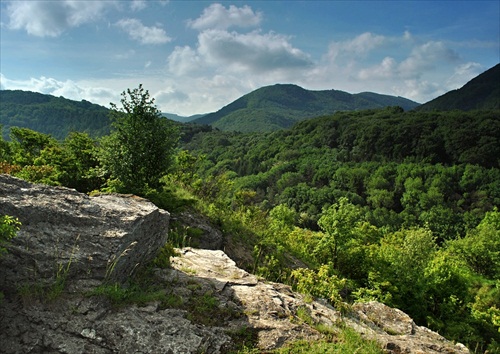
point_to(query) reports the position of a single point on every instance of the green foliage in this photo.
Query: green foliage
(338, 223)
(28, 145)
(480, 248)
(280, 106)
(162, 259)
(56, 116)
(139, 150)
(345, 341)
(322, 283)
(120, 295)
(9, 226)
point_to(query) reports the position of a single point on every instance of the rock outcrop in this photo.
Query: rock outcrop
(271, 309)
(66, 234)
(208, 303)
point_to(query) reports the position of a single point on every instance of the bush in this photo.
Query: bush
(9, 226)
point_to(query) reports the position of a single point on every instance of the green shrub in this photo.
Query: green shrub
(9, 226)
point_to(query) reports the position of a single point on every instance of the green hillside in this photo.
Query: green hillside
(379, 204)
(280, 106)
(52, 115)
(482, 92)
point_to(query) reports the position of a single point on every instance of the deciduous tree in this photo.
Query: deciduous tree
(139, 150)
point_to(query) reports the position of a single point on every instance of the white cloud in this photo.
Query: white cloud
(462, 74)
(68, 89)
(356, 47)
(170, 95)
(137, 5)
(416, 71)
(217, 16)
(418, 90)
(184, 61)
(145, 35)
(385, 70)
(251, 51)
(52, 18)
(427, 57)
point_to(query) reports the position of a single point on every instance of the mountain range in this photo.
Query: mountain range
(281, 106)
(266, 109)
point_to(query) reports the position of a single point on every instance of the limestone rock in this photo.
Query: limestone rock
(271, 309)
(86, 240)
(89, 325)
(397, 333)
(71, 236)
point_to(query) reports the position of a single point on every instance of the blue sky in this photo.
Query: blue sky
(197, 56)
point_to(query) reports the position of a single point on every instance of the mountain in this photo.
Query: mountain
(58, 116)
(280, 106)
(482, 92)
(182, 119)
(52, 115)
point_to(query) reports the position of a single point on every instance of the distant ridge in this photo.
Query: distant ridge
(182, 119)
(482, 92)
(52, 115)
(57, 116)
(282, 105)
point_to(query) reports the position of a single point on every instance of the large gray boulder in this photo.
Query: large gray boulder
(71, 237)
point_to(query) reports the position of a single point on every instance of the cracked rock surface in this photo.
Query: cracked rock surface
(89, 241)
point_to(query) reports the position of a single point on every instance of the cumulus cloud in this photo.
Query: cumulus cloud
(184, 60)
(385, 70)
(426, 57)
(220, 51)
(251, 51)
(217, 16)
(137, 5)
(68, 89)
(170, 95)
(145, 35)
(52, 18)
(359, 46)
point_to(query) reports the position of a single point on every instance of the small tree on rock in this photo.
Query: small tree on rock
(139, 150)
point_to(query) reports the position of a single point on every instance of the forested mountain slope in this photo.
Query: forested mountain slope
(316, 162)
(381, 204)
(280, 106)
(482, 92)
(405, 203)
(372, 135)
(52, 115)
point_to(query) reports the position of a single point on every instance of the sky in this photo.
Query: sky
(195, 57)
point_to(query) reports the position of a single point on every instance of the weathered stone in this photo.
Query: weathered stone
(203, 234)
(271, 309)
(85, 240)
(89, 325)
(66, 235)
(392, 321)
(397, 333)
